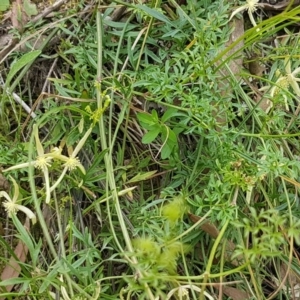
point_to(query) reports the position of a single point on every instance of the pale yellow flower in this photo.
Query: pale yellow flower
(73, 163)
(43, 161)
(290, 79)
(12, 207)
(182, 292)
(251, 7)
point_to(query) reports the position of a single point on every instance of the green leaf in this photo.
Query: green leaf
(169, 113)
(154, 115)
(169, 135)
(22, 62)
(143, 176)
(171, 33)
(170, 141)
(121, 25)
(151, 135)
(57, 132)
(145, 118)
(29, 8)
(23, 234)
(84, 94)
(154, 13)
(152, 55)
(172, 137)
(60, 81)
(14, 281)
(4, 5)
(166, 151)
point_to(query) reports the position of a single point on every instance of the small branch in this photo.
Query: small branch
(48, 10)
(24, 105)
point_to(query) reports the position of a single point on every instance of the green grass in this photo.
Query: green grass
(162, 168)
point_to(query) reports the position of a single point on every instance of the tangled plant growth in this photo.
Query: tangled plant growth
(161, 164)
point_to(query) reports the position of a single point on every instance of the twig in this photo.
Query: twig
(279, 6)
(24, 105)
(18, 100)
(48, 10)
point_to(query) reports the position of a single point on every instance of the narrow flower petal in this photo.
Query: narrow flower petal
(295, 87)
(287, 63)
(182, 291)
(16, 192)
(296, 71)
(62, 157)
(58, 181)
(63, 290)
(47, 186)
(64, 293)
(97, 290)
(81, 142)
(56, 150)
(252, 19)
(20, 166)
(238, 10)
(81, 168)
(5, 195)
(11, 205)
(27, 211)
(54, 153)
(39, 147)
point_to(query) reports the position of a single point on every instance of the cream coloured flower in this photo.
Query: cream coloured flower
(182, 291)
(42, 162)
(73, 163)
(289, 79)
(251, 7)
(12, 207)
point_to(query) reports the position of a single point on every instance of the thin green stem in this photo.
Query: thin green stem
(61, 242)
(36, 200)
(271, 136)
(109, 164)
(212, 256)
(200, 277)
(107, 158)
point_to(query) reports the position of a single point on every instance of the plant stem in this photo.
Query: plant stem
(211, 258)
(109, 164)
(37, 202)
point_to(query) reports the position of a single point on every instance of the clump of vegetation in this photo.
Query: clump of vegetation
(152, 151)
